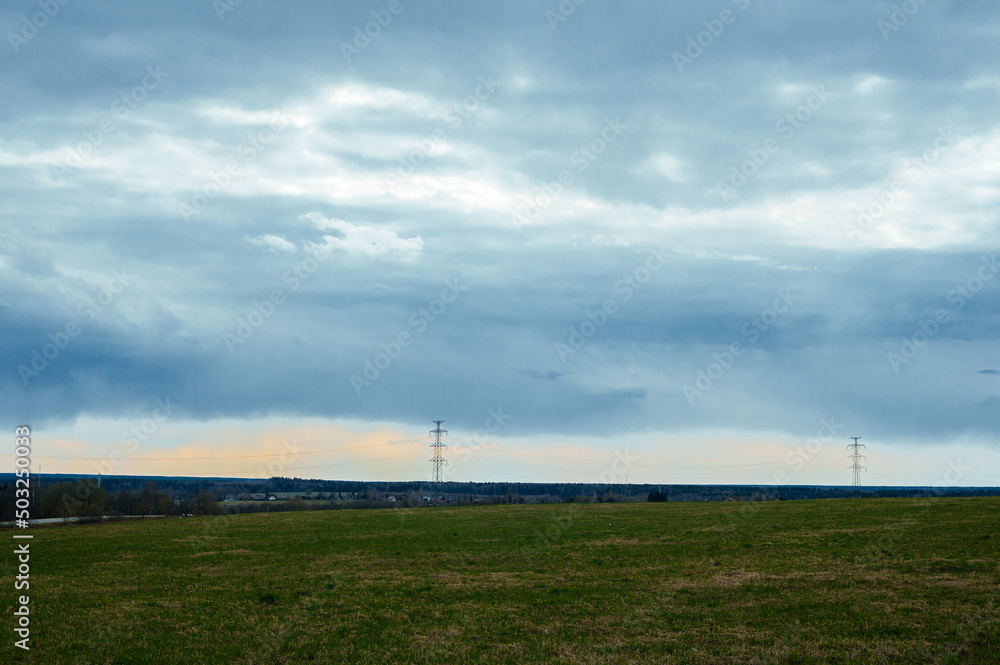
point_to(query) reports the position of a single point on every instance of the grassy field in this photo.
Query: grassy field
(857, 581)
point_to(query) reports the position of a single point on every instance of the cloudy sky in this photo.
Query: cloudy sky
(682, 242)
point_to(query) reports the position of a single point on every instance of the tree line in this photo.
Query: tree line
(84, 499)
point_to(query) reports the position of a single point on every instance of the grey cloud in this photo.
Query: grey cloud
(496, 344)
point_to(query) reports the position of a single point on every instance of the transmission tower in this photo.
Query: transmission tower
(856, 458)
(438, 460)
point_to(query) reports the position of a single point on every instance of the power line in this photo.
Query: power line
(184, 459)
(672, 466)
(534, 479)
(324, 466)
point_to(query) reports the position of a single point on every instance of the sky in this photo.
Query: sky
(625, 242)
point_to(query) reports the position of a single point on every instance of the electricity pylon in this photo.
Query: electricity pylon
(856, 457)
(438, 460)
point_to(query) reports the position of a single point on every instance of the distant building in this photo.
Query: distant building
(230, 497)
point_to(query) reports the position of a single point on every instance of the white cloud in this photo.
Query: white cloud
(228, 114)
(362, 239)
(275, 243)
(365, 96)
(870, 83)
(666, 165)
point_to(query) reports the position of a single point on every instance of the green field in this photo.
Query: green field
(856, 581)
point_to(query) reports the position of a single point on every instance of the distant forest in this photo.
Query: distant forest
(80, 497)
